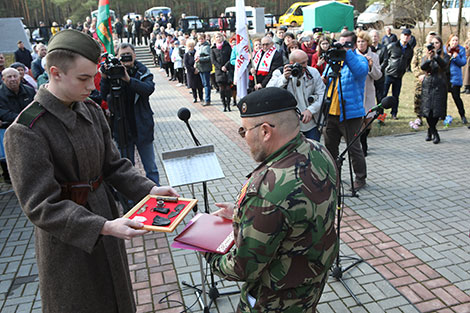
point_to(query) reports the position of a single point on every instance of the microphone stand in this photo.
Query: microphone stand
(338, 270)
(213, 291)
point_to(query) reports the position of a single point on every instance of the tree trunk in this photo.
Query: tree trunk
(439, 17)
(459, 21)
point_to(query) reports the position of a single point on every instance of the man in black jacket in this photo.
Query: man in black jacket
(381, 50)
(137, 86)
(23, 55)
(14, 97)
(400, 54)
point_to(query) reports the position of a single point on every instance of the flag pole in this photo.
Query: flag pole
(251, 53)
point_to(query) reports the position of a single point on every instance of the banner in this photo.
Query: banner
(243, 50)
(104, 30)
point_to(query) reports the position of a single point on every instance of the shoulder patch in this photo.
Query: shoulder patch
(31, 114)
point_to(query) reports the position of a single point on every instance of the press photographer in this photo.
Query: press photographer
(128, 84)
(345, 119)
(305, 83)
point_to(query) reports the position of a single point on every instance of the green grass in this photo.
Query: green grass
(406, 112)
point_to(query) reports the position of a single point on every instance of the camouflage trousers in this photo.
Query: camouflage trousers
(417, 99)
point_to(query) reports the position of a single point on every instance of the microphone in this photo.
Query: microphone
(184, 114)
(387, 103)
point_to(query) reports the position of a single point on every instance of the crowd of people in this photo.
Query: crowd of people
(301, 86)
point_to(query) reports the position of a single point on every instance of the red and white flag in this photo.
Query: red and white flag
(243, 50)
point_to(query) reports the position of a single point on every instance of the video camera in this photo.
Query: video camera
(336, 53)
(114, 69)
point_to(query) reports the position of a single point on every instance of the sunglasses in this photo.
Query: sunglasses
(242, 130)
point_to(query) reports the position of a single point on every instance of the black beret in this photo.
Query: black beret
(266, 101)
(78, 42)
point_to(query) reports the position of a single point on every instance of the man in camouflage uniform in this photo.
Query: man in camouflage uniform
(419, 73)
(283, 220)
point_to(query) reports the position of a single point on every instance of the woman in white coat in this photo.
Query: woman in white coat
(363, 44)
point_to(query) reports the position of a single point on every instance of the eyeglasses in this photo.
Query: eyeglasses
(242, 130)
(266, 44)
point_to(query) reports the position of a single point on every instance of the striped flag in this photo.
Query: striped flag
(243, 50)
(104, 30)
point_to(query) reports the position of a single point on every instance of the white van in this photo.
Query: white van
(155, 11)
(250, 14)
(450, 12)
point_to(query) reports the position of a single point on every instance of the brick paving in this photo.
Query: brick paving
(410, 224)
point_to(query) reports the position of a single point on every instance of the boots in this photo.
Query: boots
(227, 100)
(436, 139)
(464, 120)
(223, 98)
(429, 135)
(364, 141)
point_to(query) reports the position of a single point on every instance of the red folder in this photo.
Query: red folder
(210, 233)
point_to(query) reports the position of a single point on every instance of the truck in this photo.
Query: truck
(379, 14)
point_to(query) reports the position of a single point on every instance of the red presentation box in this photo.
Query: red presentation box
(145, 208)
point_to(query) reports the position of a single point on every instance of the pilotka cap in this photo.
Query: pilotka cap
(75, 41)
(266, 101)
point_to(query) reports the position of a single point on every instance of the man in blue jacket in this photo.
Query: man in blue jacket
(137, 85)
(346, 119)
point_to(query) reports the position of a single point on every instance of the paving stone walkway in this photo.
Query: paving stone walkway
(410, 224)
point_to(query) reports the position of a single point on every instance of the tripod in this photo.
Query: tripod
(117, 108)
(333, 76)
(338, 270)
(184, 114)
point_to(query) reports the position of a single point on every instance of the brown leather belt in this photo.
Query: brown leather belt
(78, 192)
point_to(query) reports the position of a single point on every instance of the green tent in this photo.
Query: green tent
(330, 15)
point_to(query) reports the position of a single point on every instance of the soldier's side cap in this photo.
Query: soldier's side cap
(75, 41)
(266, 101)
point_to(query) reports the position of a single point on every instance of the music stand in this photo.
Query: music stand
(190, 166)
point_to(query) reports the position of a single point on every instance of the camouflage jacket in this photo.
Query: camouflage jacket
(416, 62)
(284, 230)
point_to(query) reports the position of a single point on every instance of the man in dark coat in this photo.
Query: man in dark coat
(137, 86)
(14, 97)
(147, 28)
(389, 37)
(36, 66)
(64, 186)
(44, 32)
(400, 54)
(381, 50)
(119, 28)
(183, 23)
(266, 61)
(137, 31)
(23, 55)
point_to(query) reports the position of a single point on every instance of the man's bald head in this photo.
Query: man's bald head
(298, 56)
(11, 79)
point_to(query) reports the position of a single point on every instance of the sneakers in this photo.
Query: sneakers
(179, 84)
(207, 103)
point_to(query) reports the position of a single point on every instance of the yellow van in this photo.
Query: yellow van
(294, 15)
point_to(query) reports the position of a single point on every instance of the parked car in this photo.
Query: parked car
(270, 20)
(213, 24)
(194, 22)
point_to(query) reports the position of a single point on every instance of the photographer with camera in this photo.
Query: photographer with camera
(434, 88)
(305, 83)
(353, 70)
(136, 84)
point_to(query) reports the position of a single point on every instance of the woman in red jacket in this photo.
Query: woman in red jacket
(318, 59)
